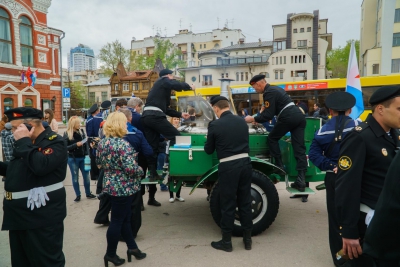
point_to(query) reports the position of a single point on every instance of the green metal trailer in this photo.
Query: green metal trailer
(194, 168)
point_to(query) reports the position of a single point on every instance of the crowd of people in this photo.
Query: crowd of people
(362, 185)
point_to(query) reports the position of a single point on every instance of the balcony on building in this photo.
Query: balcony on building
(229, 61)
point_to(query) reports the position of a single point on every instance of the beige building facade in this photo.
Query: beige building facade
(98, 91)
(379, 37)
(297, 52)
(85, 76)
(191, 44)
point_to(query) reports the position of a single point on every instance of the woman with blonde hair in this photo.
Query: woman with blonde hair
(49, 117)
(76, 157)
(121, 181)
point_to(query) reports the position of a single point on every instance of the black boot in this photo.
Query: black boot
(225, 244)
(279, 163)
(153, 173)
(247, 239)
(117, 261)
(300, 183)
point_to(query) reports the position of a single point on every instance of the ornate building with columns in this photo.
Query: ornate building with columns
(27, 41)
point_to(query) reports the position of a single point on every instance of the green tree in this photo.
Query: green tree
(78, 96)
(163, 49)
(338, 59)
(113, 53)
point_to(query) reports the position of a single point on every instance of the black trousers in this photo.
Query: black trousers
(335, 239)
(234, 178)
(294, 122)
(120, 224)
(142, 162)
(41, 247)
(154, 126)
(94, 170)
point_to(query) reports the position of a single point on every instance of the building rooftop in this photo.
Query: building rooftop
(247, 45)
(101, 81)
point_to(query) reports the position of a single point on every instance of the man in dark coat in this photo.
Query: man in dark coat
(34, 204)
(365, 156)
(154, 118)
(229, 136)
(289, 119)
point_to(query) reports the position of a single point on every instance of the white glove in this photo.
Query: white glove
(37, 197)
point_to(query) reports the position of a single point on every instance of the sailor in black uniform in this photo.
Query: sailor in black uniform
(154, 118)
(34, 203)
(289, 119)
(229, 136)
(365, 156)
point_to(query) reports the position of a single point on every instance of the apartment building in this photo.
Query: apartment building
(379, 37)
(191, 44)
(81, 58)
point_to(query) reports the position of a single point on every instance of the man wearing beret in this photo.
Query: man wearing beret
(34, 204)
(229, 136)
(289, 119)
(365, 155)
(154, 118)
(324, 153)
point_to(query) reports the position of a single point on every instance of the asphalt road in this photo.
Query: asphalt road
(179, 234)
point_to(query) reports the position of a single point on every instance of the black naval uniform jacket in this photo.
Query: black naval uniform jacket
(365, 155)
(382, 237)
(275, 99)
(233, 143)
(160, 97)
(34, 165)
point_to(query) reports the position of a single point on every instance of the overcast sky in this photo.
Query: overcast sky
(96, 22)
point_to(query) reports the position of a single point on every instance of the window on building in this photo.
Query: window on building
(284, 60)
(237, 76)
(300, 59)
(294, 30)
(135, 87)
(301, 43)
(396, 65)
(304, 58)
(92, 98)
(278, 45)
(291, 59)
(8, 103)
(280, 60)
(223, 75)
(207, 79)
(397, 15)
(375, 68)
(247, 76)
(276, 60)
(281, 74)
(231, 43)
(28, 103)
(5, 37)
(116, 87)
(125, 87)
(266, 75)
(396, 39)
(25, 30)
(241, 76)
(308, 29)
(276, 75)
(204, 45)
(301, 29)
(226, 75)
(201, 46)
(104, 96)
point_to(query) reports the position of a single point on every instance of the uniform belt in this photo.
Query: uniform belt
(237, 156)
(330, 171)
(285, 107)
(152, 108)
(24, 194)
(364, 208)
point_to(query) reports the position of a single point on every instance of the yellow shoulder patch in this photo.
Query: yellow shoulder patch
(344, 163)
(266, 103)
(54, 136)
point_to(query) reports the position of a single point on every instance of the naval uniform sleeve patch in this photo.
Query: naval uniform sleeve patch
(344, 163)
(358, 128)
(47, 151)
(54, 136)
(266, 103)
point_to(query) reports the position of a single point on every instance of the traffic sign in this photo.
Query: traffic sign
(66, 100)
(67, 105)
(66, 92)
